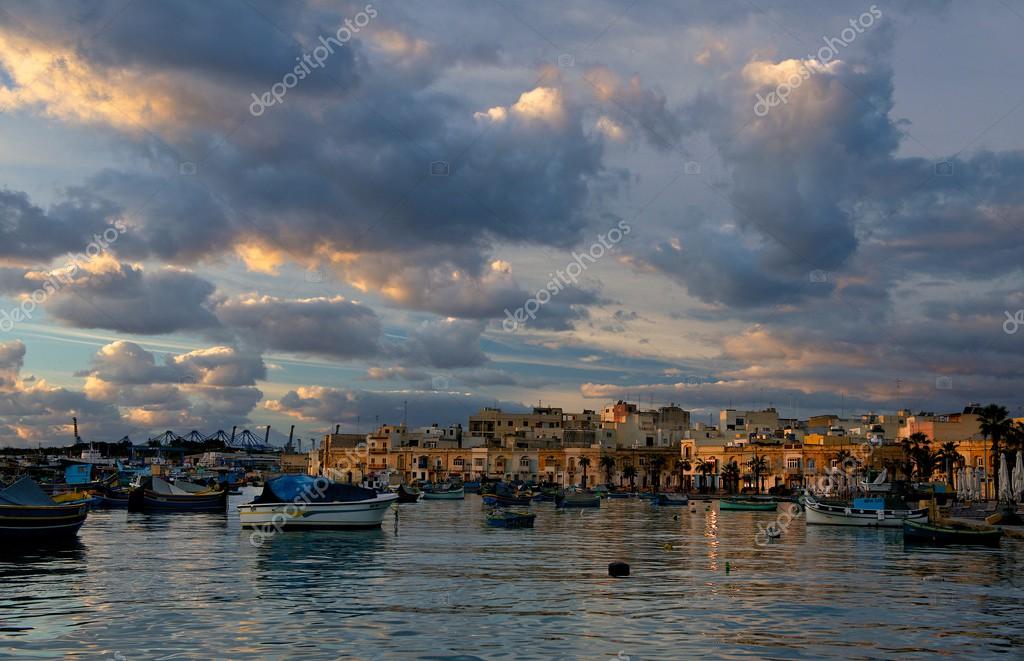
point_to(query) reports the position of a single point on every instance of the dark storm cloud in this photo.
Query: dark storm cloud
(30, 234)
(331, 327)
(127, 299)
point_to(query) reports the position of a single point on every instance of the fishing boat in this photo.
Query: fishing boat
(748, 504)
(28, 514)
(620, 494)
(673, 499)
(408, 494)
(500, 518)
(307, 503)
(444, 492)
(472, 487)
(577, 498)
(506, 495)
(154, 494)
(877, 485)
(874, 512)
(112, 498)
(940, 534)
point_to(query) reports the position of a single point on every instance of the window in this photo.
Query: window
(811, 464)
(459, 461)
(793, 463)
(980, 462)
(478, 461)
(524, 462)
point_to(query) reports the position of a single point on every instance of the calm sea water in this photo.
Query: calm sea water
(445, 586)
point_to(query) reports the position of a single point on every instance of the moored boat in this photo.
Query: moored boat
(500, 518)
(673, 499)
(408, 494)
(472, 487)
(577, 498)
(28, 514)
(872, 512)
(306, 503)
(154, 494)
(939, 534)
(444, 492)
(747, 504)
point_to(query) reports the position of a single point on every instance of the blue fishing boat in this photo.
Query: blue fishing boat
(28, 514)
(155, 494)
(109, 498)
(472, 487)
(500, 518)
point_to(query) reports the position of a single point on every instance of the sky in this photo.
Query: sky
(316, 213)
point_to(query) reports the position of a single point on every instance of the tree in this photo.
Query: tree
(758, 466)
(950, 458)
(584, 464)
(629, 472)
(607, 462)
(731, 476)
(994, 424)
(705, 468)
(682, 467)
(657, 465)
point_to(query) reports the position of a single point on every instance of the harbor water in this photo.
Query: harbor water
(193, 586)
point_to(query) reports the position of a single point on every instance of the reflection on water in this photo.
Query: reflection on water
(192, 586)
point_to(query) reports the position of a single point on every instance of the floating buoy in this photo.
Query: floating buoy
(618, 569)
(667, 547)
(675, 518)
(727, 567)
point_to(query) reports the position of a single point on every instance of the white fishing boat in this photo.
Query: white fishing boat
(868, 512)
(304, 502)
(877, 485)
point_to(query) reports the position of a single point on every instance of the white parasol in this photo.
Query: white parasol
(1005, 488)
(1018, 477)
(959, 477)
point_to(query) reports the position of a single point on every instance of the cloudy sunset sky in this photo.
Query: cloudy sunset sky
(351, 246)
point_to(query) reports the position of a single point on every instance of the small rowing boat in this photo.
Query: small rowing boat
(747, 504)
(444, 492)
(154, 494)
(577, 498)
(939, 534)
(500, 518)
(673, 499)
(871, 512)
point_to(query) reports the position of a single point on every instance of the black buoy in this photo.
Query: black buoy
(618, 569)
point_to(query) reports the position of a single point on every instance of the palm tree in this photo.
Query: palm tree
(731, 476)
(683, 467)
(994, 424)
(629, 472)
(657, 464)
(607, 462)
(705, 468)
(758, 465)
(952, 459)
(584, 463)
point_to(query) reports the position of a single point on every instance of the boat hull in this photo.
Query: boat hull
(936, 535)
(672, 499)
(29, 523)
(459, 494)
(747, 506)
(358, 514)
(511, 520)
(145, 500)
(833, 515)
